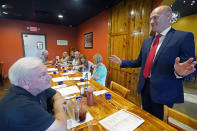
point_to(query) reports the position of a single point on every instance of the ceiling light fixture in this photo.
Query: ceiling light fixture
(184, 1)
(3, 6)
(60, 16)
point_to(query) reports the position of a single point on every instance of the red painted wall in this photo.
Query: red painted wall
(11, 43)
(99, 26)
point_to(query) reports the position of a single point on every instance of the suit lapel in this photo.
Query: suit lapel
(149, 45)
(164, 43)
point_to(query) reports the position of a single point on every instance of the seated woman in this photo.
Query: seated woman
(100, 71)
(85, 64)
(65, 57)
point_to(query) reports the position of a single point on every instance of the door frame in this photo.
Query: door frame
(22, 33)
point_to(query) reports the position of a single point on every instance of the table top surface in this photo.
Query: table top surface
(103, 108)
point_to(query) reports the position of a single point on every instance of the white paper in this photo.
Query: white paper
(69, 97)
(71, 123)
(52, 72)
(59, 86)
(122, 121)
(75, 78)
(96, 93)
(83, 83)
(68, 90)
(60, 79)
(51, 69)
(68, 73)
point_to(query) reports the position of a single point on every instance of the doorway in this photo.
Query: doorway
(33, 44)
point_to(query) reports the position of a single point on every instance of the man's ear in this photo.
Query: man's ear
(169, 16)
(23, 83)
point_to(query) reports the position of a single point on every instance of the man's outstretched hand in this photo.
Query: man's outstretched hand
(184, 68)
(115, 59)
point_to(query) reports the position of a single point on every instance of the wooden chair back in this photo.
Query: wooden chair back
(183, 118)
(121, 90)
(1, 72)
(1, 67)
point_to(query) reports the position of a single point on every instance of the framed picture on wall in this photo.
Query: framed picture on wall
(88, 40)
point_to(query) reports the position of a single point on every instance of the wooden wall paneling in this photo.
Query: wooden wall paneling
(127, 33)
(109, 47)
(119, 18)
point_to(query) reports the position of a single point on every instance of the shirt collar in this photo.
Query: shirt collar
(163, 33)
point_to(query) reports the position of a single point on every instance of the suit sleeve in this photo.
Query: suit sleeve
(187, 47)
(132, 63)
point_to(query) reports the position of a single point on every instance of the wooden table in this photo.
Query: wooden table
(103, 108)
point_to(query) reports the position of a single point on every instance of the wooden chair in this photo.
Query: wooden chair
(183, 118)
(119, 89)
(1, 72)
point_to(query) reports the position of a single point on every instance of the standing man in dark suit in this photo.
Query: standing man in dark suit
(158, 83)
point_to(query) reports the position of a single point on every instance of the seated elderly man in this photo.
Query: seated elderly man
(24, 107)
(72, 56)
(76, 62)
(44, 58)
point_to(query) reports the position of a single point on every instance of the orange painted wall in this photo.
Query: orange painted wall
(11, 42)
(99, 26)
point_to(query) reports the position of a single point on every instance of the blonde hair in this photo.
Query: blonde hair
(65, 54)
(97, 58)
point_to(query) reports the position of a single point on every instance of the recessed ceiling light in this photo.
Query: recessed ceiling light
(193, 1)
(3, 6)
(5, 13)
(60, 16)
(184, 1)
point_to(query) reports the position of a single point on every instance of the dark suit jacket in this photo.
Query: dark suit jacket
(165, 88)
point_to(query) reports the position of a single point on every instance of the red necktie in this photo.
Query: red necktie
(151, 56)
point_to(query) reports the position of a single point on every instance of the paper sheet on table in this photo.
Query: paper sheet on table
(122, 121)
(60, 79)
(68, 73)
(83, 83)
(71, 123)
(69, 97)
(75, 78)
(96, 93)
(51, 69)
(59, 86)
(68, 90)
(52, 72)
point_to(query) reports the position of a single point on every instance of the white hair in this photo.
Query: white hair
(45, 51)
(22, 67)
(97, 58)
